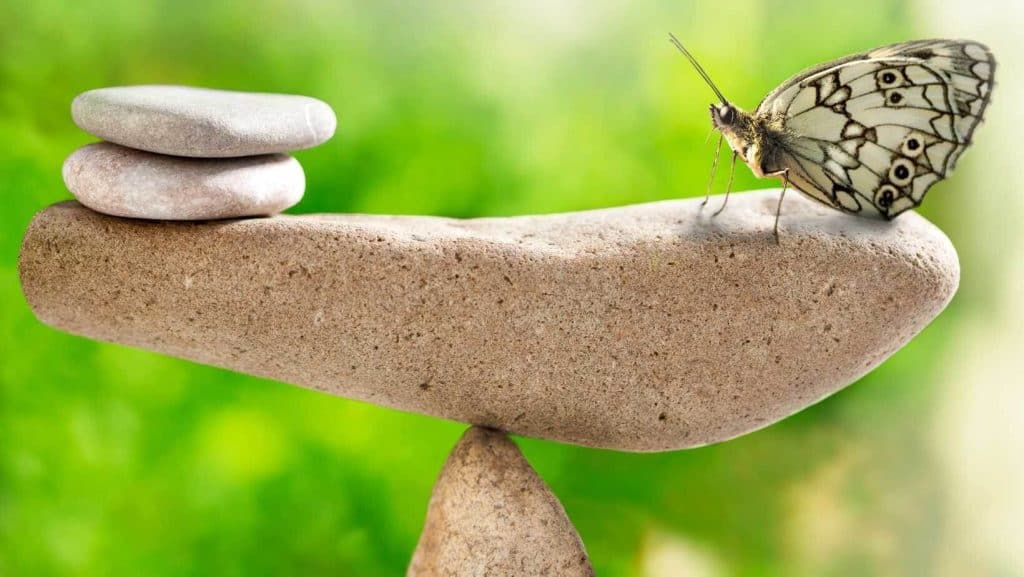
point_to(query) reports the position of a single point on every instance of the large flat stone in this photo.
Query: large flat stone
(491, 514)
(644, 328)
(203, 122)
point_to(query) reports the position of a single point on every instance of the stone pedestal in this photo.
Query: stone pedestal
(491, 514)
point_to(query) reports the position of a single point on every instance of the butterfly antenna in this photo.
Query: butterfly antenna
(700, 69)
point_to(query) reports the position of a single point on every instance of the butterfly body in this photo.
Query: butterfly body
(870, 133)
(755, 139)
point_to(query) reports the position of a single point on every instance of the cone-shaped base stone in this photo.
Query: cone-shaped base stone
(491, 514)
(646, 327)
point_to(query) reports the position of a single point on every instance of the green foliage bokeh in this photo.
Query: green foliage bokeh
(115, 461)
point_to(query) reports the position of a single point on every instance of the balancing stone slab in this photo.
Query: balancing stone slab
(205, 123)
(644, 328)
(126, 182)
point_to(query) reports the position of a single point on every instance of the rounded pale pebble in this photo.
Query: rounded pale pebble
(644, 328)
(203, 122)
(124, 182)
(491, 514)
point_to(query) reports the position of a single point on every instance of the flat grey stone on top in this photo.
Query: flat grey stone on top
(491, 514)
(126, 182)
(202, 122)
(644, 328)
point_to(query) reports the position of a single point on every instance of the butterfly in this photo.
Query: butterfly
(867, 134)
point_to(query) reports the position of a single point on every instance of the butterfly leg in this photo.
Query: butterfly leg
(707, 138)
(728, 187)
(714, 168)
(778, 209)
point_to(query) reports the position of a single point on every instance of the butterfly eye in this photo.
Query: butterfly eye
(728, 114)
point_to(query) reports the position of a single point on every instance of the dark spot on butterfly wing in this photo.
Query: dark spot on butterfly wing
(885, 199)
(885, 196)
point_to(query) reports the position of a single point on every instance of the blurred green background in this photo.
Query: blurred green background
(116, 461)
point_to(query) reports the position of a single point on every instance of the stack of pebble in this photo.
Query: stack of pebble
(181, 153)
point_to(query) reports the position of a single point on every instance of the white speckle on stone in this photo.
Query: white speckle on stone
(312, 125)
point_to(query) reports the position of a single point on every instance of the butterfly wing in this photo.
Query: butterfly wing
(871, 133)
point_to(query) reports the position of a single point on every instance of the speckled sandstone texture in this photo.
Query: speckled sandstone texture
(126, 182)
(644, 328)
(490, 514)
(202, 122)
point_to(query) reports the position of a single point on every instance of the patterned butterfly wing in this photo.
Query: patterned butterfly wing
(871, 133)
